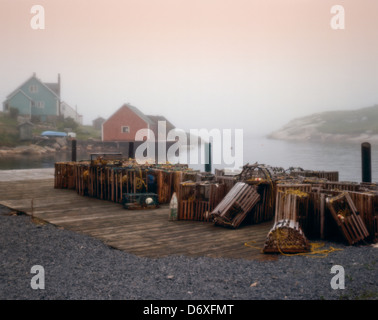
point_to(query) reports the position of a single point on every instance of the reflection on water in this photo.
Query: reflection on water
(37, 162)
(344, 158)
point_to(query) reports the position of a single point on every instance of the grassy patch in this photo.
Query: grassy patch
(367, 295)
(9, 135)
(350, 122)
(87, 132)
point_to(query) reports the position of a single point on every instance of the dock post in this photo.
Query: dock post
(208, 157)
(366, 161)
(131, 150)
(73, 150)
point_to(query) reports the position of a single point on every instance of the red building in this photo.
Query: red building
(126, 121)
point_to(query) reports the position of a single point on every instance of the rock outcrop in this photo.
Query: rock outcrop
(337, 126)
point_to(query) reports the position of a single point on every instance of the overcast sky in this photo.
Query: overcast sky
(250, 64)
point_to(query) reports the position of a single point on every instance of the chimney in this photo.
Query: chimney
(59, 83)
(59, 101)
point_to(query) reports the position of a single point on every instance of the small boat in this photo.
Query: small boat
(53, 134)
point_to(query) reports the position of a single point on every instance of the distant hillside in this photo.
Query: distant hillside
(351, 126)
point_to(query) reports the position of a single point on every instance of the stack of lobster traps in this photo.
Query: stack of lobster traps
(327, 175)
(110, 177)
(318, 208)
(302, 204)
(65, 175)
(196, 200)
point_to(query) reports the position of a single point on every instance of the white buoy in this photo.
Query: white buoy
(173, 208)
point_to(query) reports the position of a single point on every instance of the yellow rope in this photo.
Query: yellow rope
(139, 181)
(297, 192)
(247, 244)
(315, 250)
(344, 212)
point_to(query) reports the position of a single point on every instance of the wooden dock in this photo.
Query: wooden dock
(145, 233)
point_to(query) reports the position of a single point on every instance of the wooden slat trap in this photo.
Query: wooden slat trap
(197, 199)
(262, 177)
(286, 237)
(65, 175)
(235, 206)
(347, 218)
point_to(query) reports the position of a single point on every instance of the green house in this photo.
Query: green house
(35, 100)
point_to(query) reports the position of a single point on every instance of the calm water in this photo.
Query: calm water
(344, 158)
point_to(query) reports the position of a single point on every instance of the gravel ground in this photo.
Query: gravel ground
(78, 267)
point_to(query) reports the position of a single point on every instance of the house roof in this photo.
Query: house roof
(155, 119)
(151, 120)
(26, 123)
(17, 91)
(43, 84)
(66, 104)
(55, 87)
(139, 113)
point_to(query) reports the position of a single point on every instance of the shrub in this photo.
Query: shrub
(14, 112)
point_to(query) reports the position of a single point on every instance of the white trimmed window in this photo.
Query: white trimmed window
(33, 88)
(40, 104)
(125, 129)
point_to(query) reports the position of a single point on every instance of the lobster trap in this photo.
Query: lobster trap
(134, 201)
(347, 217)
(106, 159)
(235, 206)
(286, 237)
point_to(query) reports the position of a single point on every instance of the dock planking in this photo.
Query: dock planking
(146, 233)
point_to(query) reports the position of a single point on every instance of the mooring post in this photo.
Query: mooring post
(131, 150)
(208, 157)
(73, 148)
(366, 161)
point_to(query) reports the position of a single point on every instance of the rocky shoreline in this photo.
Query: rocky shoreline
(26, 151)
(36, 148)
(45, 147)
(307, 129)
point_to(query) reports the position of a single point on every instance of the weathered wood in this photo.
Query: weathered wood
(235, 206)
(328, 175)
(292, 203)
(347, 218)
(145, 233)
(286, 237)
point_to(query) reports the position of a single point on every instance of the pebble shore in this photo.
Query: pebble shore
(78, 267)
